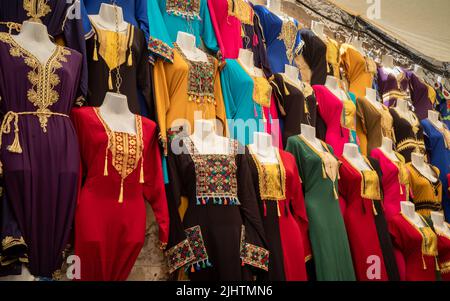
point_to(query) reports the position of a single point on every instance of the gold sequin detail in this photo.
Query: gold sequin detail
(262, 91)
(288, 35)
(36, 9)
(241, 10)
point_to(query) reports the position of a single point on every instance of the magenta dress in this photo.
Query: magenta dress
(330, 110)
(39, 149)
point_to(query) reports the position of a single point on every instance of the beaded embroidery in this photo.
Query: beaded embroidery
(253, 255)
(241, 10)
(43, 77)
(216, 180)
(179, 255)
(159, 47)
(187, 9)
(288, 35)
(36, 9)
(200, 79)
(200, 260)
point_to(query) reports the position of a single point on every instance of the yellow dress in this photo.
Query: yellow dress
(359, 70)
(185, 91)
(333, 58)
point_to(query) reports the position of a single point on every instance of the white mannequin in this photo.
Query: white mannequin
(106, 18)
(419, 72)
(418, 161)
(187, 44)
(387, 149)
(388, 62)
(318, 29)
(409, 210)
(117, 115)
(263, 148)
(206, 140)
(371, 95)
(247, 60)
(357, 44)
(292, 74)
(439, 223)
(309, 134)
(433, 116)
(275, 7)
(402, 108)
(352, 154)
(332, 83)
(34, 38)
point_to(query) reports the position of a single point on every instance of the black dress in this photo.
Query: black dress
(315, 55)
(220, 236)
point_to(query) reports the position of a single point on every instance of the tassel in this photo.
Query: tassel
(95, 55)
(225, 202)
(203, 265)
(121, 192)
(401, 189)
(306, 108)
(286, 91)
(203, 201)
(255, 40)
(208, 263)
(265, 208)
(141, 177)
(110, 85)
(424, 264)
(254, 110)
(324, 173)
(105, 169)
(192, 269)
(243, 263)
(15, 146)
(130, 59)
(197, 266)
(374, 209)
(437, 264)
(278, 209)
(198, 201)
(335, 192)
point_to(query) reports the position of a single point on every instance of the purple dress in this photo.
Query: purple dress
(420, 95)
(392, 87)
(39, 148)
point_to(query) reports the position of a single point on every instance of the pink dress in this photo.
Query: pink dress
(394, 181)
(330, 109)
(273, 124)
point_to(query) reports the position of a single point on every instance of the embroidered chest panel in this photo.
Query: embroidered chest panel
(241, 10)
(288, 35)
(216, 175)
(201, 79)
(349, 115)
(42, 77)
(262, 91)
(387, 123)
(370, 185)
(187, 9)
(429, 241)
(272, 180)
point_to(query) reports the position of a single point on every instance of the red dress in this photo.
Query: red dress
(121, 171)
(418, 247)
(444, 254)
(359, 218)
(395, 182)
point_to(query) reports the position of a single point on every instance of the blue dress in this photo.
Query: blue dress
(443, 97)
(282, 37)
(244, 114)
(439, 151)
(168, 17)
(134, 12)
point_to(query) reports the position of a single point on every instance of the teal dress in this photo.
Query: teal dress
(242, 111)
(327, 232)
(168, 17)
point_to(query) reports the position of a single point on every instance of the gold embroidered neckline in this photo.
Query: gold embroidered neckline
(436, 183)
(42, 76)
(262, 90)
(443, 234)
(288, 35)
(429, 248)
(241, 10)
(367, 192)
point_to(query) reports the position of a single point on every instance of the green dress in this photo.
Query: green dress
(329, 241)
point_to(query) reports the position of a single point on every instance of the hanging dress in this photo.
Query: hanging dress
(329, 241)
(443, 103)
(167, 17)
(313, 59)
(282, 208)
(418, 247)
(39, 150)
(296, 104)
(333, 58)
(408, 136)
(220, 237)
(423, 96)
(437, 142)
(443, 253)
(282, 38)
(395, 181)
(133, 62)
(393, 86)
(365, 221)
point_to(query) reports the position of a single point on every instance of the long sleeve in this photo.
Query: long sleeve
(227, 92)
(154, 190)
(144, 80)
(253, 243)
(207, 31)
(142, 17)
(259, 50)
(361, 129)
(159, 39)
(162, 100)
(220, 109)
(214, 21)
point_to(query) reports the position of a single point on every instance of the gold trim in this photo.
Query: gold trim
(10, 241)
(288, 35)
(444, 267)
(36, 9)
(364, 194)
(427, 249)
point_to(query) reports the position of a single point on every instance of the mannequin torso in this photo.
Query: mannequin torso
(357, 44)
(418, 161)
(187, 43)
(246, 60)
(292, 74)
(318, 29)
(352, 154)
(388, 62)
(108, 16)
(206, 140)
(309, 134)
(263, 148)
(387, 149)
(433, 117)
(402, 109)
(34, 38)
(371, 95)
(409, 211)
(116, 113)
(439, 223)
(332, 84)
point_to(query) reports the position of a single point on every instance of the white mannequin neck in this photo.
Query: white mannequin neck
(34, 38)
(292, 73)
(116, 113)
(402, 106)
(387, 149)
(318, 29)
(433, 116)
(332, 84)
(263, 148)
(418, 161)
(206, 140)
(107, 17)
(357, 44)
(187, 43)
(371, 95)
(309, 134)
(409, 210)
(387, 61)
(419, 72)
(246, 59)
(439, 222)
(275, 7)
(351, 153)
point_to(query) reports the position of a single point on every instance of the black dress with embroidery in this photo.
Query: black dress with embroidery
(296, 106)
(220, 236)
(314, 52)
(135, 71)
(409, 137)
